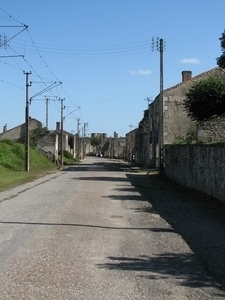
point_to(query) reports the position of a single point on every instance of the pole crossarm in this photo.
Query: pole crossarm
(24, 28)
(2, 56)
(53, 85)
(71, 112)
(18, 26)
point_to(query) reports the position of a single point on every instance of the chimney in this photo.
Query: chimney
(186, 75)
(57, 126)
(5, 128)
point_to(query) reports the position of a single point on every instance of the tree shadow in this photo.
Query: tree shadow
(108, 166)
(183, 267)
(102, 178)
(102, 166)
(198, 218)
(135, 197)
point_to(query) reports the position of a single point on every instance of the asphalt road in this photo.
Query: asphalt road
(88, 233)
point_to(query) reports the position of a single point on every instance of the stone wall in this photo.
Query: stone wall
(200, 167)
(48, 143)
(212, 130)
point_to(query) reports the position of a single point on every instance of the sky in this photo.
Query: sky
(97, 60)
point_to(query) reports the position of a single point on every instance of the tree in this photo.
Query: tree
(36, 133)
(221, 59)
(206, 98)
(95, 141)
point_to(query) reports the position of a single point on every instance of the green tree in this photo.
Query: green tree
(221, 58)
(35, 134)
(95, 141)
(206, 98)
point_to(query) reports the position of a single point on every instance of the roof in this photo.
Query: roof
(196, 77)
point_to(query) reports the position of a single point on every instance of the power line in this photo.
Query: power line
(96, 53)
(11, 17)
(89, 49)
(20, 87)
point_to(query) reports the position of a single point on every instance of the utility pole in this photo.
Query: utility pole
(82, 143)
(47, 103)
(84, 148)
(160, 45)
(27, 140)
(61, 146)
(28, 102)
(148, 152)
(78, 139)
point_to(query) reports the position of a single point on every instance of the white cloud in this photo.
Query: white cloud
(141, 72)
(106, 98)
(190, 61)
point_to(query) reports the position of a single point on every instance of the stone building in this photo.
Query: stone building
(18, 133)
(48, 143)
(171, 121)
(131, 144)
(111, 147)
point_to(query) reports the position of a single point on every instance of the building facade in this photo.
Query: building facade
(172, 121)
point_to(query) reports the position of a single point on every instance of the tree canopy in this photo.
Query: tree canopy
(206, 98)
(221, 58)
(95, 141)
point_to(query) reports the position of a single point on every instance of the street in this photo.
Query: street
(87, 233)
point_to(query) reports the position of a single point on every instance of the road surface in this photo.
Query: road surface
(87, 233)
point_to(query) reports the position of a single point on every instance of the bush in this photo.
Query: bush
(190, 137)
(179, 139)
(67, 154)
(8, 142)
(206, 98)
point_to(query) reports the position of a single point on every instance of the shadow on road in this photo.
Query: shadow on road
(181, 266)
(85, 225)
(199, 219)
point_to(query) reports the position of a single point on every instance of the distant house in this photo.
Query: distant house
(131, 142)
(112, 147)
(18, 133)
(48, 143)
(174, 120)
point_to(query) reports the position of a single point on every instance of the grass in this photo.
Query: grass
(12, 164)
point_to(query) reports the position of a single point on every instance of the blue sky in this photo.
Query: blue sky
(101, 51)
